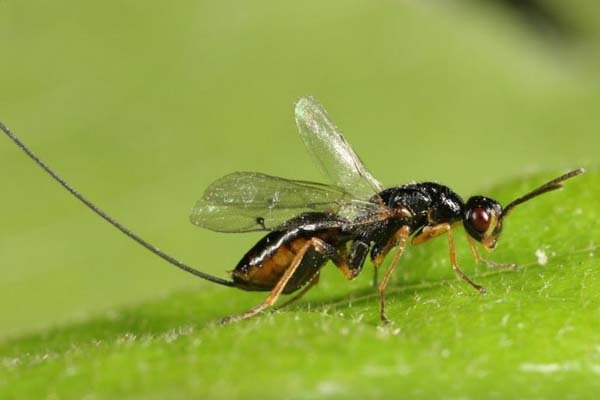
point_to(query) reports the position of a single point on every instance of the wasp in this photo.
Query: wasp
(308, 224)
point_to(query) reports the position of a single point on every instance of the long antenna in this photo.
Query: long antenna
(108, 219)
(554, 184)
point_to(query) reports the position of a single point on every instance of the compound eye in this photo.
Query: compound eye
(480, 219)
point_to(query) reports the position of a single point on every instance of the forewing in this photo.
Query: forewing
(332, 152)
(250, 201)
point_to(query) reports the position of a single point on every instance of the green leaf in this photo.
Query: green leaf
(534, 335)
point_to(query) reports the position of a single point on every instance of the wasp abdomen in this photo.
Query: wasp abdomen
(264, 265)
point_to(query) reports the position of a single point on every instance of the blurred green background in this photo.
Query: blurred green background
(141, 104)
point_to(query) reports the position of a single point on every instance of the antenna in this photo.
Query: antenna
(110, 220)
(554, 184)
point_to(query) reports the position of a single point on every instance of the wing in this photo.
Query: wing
(332, 152)
(250, 201)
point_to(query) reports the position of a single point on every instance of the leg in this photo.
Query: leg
(276, 292)
(455, 266)
(394, 241)
(320, 246)
(490, 264)
(375, 276)
(305, 289)
(402, 236)
(430, 232)
(349, 263)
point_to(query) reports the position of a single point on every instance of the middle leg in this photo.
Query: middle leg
(402, 236)
(377, 261)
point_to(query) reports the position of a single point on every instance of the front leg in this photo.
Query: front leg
(490, 264)
(454, 262)
(432, 231)
(429, 232)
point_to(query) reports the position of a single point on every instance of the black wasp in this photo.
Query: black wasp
(345, 222)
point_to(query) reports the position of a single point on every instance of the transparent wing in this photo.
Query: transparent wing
(250, 201)
(332, 152)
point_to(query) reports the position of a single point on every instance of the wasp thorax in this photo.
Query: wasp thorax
(482, 220)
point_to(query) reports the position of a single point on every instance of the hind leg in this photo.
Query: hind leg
(319, 245)
(304, 290)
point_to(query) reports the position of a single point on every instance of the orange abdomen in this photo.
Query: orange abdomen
(264, 265)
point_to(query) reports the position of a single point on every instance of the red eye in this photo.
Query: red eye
(480, 219)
